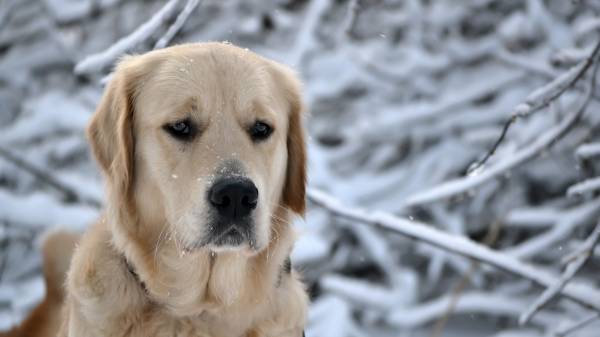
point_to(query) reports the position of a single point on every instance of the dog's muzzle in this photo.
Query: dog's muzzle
(233, 201)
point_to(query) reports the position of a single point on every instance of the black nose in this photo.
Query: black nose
(233, 198)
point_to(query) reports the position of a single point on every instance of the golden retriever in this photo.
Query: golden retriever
(203, 152)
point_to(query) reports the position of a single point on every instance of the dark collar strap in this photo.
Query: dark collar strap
(135, 275)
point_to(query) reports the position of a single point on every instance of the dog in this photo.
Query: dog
(203, 152)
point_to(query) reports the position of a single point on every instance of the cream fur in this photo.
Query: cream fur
(156, 207)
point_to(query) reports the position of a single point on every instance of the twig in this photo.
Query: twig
(479, 164)
(588, 185)
(539, 99)
(463, 184)
(69, 194)
(5, 10)
(579, 293)
(351, 17)
(4, 243)
(477, 302)
(532, 66)
(568, 221)
(577, 325)
(395, 126)
(305, 40)
(586, 151)
(176, 26)
(490, 238)
(98, 61)
(570, 271)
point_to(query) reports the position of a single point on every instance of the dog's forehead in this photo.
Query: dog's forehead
(210, 80)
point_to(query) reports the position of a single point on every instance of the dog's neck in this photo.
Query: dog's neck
(189, 283)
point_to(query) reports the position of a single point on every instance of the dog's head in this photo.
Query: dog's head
(205, 139)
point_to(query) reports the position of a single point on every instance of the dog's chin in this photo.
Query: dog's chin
(231, 241)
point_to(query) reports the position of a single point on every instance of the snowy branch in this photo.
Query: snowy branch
(580, 293)
(404, 96)
(69, 194)
(540, 98)
(176, 26)
(481, 175)
(586, 151)
(351, 16)
(491, 304)
(584, 254)
(564, 331)
(586, 186)
(97, 62)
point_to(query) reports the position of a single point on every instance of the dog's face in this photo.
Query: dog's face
(206, 140)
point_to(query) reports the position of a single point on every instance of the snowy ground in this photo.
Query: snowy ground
(404, 97)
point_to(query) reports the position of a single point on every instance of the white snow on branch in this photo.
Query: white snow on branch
(176, 26)
(544, 95)
(492, 304)
(570, 328)
(586, 186)
(586, 151)
(305, 40)
(565, 224)
(97, 62)
(465, 184)
(584, 254)
(580, 293)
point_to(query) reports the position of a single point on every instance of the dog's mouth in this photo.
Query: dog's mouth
(229, 236)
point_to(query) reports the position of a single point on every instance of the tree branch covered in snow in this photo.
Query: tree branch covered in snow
(176, 26)
(541, 98)
(436, 122)
(97, 62)
(579, 293)
(69, 194)
(572, 268)
(477, 175)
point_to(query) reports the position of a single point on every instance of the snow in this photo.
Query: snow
(588, 150)
(41, 210)
(97, 62)
(39, 119)
(65, 11)
(467, 183)
(586, 186)
(579, 292)
(403, 97)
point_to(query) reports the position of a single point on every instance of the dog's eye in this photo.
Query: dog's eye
(260, 131)
(182, 130)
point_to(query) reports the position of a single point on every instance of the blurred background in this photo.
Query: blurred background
(407, 99)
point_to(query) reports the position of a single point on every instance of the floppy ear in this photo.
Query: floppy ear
(294, 190)
(111, 134)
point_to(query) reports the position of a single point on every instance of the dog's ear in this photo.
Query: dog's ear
(110, 131)
(294, 190)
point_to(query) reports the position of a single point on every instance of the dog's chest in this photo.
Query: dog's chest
(158, 324)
